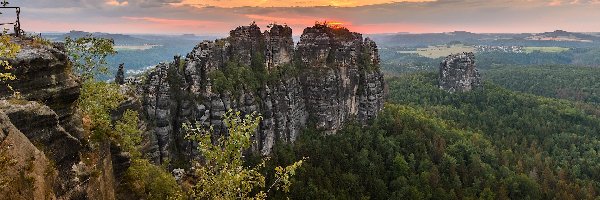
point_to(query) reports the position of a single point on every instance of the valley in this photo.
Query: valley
(305, 99)
(532, 114)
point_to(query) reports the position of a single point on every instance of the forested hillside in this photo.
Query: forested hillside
(558, 81)
(428, 144)
(397, 60)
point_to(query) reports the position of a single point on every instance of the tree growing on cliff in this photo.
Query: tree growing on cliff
(96, 101)
(143, 180)
(89, 55)
(222, 174)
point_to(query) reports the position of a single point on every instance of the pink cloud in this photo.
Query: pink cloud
(555, 3)
(175, 22)
(159, 25)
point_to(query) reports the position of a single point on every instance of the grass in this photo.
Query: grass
(440, 51)
(545, 49)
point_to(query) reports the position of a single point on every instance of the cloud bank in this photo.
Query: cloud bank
(376, 16)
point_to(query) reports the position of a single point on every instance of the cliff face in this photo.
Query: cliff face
(44, 75)
(330, 77)
(23, 166)
(342, 78)
(43, 131)
(458, 73)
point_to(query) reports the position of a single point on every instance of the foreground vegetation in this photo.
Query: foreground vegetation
(429, 144)
(221, 174)
(142, 180)
(8, 50)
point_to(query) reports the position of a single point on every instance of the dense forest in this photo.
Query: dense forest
(491, 143)
(558, 81)
(396, 63)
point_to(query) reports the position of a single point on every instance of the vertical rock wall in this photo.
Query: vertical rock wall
(458, 73)
(336, 78)
(343, 78)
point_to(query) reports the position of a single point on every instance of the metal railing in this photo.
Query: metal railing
(17, 23)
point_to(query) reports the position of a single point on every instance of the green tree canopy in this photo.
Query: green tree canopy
(88, 55)
(221, 173)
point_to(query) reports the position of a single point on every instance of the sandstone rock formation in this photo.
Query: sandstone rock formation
(330, 77)
(120, 77)
(44, 75)
(23, 166)
(458, 73)
(43, 131)
(342, 78)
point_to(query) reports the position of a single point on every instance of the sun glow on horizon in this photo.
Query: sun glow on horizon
(334, 24)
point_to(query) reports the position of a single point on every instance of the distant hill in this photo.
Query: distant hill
(426, 39)
(120, 39)
(137, 51)
(560, 35)
(183, 37)
(557, 38)
(132, 39)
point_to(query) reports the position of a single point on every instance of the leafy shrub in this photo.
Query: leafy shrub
(88, 55)
(129, 136)
(8, 50)
(96, 101)
(221, 174)
(148, 181)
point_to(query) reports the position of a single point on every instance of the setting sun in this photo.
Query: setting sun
(335, 25)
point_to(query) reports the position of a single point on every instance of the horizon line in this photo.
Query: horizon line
(382, 33)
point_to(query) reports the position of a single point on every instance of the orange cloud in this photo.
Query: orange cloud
(290, 20)
(117, 3)
(298, 22)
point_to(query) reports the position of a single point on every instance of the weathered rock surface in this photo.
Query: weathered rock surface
(343, 78)
(338, 79)
(46, 132)
(44, 75)
(40, 124)
(62, 156)
(458, 73)
(25, 172)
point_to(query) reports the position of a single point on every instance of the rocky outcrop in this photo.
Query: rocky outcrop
(25, 172)
(73, 166)
(44, 74)
(332, 76)
(458, 73)
(279, 46)
(120, 77)
(40, 124)
(46, 128)
(343, 78)
(157, 107)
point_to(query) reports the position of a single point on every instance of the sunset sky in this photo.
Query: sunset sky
(217, 17)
